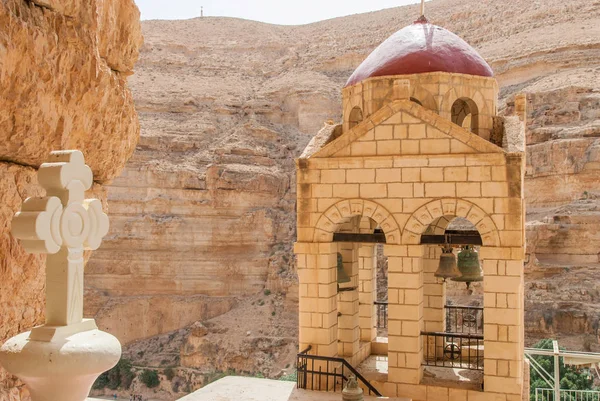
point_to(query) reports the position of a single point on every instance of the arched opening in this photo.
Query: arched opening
(381, 290)
(412, 99)
(466, 114)
(363, 299)
(356, 117)
(362, 288)
(453, 310)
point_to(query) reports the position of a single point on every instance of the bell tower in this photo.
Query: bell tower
(417, 164)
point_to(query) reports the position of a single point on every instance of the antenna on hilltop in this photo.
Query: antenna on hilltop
(201, 11)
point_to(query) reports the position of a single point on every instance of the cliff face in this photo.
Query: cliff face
(63, 70)
(205, 208)
(563, 239)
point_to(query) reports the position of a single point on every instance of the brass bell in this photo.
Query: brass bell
(342, 276)
(447, 268)
(469, 266)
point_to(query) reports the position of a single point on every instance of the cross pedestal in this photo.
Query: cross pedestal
(61, 359)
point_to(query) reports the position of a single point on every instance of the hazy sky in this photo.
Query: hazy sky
(288, 12)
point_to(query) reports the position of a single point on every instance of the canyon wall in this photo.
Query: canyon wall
(63, 85)
(203, 214)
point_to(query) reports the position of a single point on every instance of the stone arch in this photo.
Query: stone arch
(332, 219)
(422, 218)
(453, 94)
(465, 113)
(439, 225)
(355, 117)
(424, 98)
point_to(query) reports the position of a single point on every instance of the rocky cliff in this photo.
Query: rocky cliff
(204, 211)
(63, 85)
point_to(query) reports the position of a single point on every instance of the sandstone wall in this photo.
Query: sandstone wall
(63, 71)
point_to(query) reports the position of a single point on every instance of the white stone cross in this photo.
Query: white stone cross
(62, 224)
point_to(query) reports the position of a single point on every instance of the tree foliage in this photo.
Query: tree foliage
(571, 378)
(150, 378)
(119, 377)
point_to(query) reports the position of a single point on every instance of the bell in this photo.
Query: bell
(342, 276)
(447, 268)
(468, 264)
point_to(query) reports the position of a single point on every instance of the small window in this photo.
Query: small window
(412, 99)
(356, 117)
(466, 114)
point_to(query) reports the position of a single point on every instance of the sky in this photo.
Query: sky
(284, 12)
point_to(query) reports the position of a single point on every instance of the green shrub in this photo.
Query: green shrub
(267, 292)
(292, 377)
(101, 382)
(119, 377)
(571, 378)
(150, 378)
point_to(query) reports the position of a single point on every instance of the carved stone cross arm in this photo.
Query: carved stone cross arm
(62, 224)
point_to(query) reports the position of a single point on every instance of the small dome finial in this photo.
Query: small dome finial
(422, 19)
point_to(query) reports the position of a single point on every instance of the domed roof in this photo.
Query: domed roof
(420, 48)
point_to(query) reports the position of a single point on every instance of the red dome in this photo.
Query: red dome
(420, 48)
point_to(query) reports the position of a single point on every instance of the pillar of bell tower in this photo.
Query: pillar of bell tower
(348, 303)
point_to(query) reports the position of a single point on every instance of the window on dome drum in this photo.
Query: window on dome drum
(412, 99)
(466, 114)
(356, 117)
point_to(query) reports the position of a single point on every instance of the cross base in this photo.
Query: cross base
(65, 367)
(52, 333)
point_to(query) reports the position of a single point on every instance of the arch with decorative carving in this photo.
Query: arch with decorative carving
(422, 218)
(332, 219)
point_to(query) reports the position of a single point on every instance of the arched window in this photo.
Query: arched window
(412, 99)
(466, 114)
(356, 117)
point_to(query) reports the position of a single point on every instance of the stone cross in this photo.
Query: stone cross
(62, 224)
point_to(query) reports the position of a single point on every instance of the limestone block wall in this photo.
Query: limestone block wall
(406, 167)
(436, 91)
(63, 85)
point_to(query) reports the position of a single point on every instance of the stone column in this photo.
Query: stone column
(503, 320)
(405, 313)
(317, 278)
(61, 359)
(348, 304)
(434, 290)
(367, 294)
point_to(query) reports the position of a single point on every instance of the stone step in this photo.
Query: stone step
(379, 346)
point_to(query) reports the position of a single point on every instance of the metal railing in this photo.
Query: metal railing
(382, 314)
(325, 373)
(547, 394)
(453, 350)
(464, 319)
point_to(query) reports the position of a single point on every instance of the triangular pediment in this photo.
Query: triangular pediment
(406, 128)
